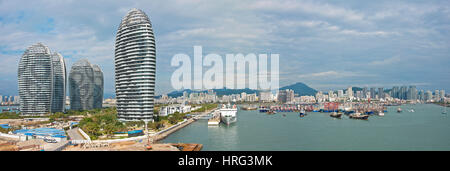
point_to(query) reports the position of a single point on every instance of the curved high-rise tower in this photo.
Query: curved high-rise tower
(135, 67)
(98, 86)
(59, 83)
(35, 80)
(81, 85)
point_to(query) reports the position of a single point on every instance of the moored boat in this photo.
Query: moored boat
(248, 108)
(271, 112)
(302, 113)
(263, 109)
(358, 116)
(228, 114)
(336, 115)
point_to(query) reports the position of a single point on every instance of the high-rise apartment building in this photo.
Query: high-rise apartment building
(98, 87)
(349, 92)
(135, 67)
(402, 93)
(372, 93)
(59, 83)
(85, 86)
(41, 80)
(381, 93)
(394, 92)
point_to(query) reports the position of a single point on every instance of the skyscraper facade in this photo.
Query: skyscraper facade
(394, 92)
(421, 96)
(59, 83)
(381, 93)
(437, 96)
(98, 86)
(81, 85)
(135, 67)
(41, 80)
(442, 95)
(372, 92)
(402, 93)
(412, 93)
(364, 92)
(350, 92)
(428, 95)
(283, 96)
(35, 80)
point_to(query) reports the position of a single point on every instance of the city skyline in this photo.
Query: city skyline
(327, 45)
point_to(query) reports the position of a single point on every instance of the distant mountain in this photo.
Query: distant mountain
(219, 92)
(301, 89)
(225, 91)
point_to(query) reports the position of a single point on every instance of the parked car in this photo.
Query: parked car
(50, 140)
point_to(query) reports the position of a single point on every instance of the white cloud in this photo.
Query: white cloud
(332, 75)
(311, 7)
(387, 61)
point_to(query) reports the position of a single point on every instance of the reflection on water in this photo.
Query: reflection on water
(425, 129)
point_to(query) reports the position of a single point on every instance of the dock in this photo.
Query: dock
(215, 119)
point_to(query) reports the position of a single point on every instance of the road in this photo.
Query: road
(74, 134)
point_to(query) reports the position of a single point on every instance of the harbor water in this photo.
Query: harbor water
(11, 108)
(425, 129)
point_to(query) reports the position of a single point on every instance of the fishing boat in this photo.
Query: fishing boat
(358, 116)
(381, 114)
(263, 109)
(248, 108)
(271, 112)
(336, 115)
(302, 113)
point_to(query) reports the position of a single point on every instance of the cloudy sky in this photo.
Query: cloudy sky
(325, 44)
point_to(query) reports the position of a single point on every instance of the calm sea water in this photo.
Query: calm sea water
(10, 107)
(425, 129)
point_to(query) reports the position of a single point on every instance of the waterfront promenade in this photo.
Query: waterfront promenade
(166, 132)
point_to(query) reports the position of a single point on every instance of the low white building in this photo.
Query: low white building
(171, 109)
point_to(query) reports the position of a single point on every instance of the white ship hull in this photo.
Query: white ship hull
(228, 119)
(228, 114)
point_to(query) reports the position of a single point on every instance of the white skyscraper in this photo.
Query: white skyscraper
(349, 92)
(340, 93)
(41, 80)
(135, 67)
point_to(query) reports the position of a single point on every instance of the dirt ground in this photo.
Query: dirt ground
(124, 146)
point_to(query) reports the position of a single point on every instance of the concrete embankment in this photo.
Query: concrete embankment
(163, 134)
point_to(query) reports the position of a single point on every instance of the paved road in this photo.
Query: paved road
(74, 134)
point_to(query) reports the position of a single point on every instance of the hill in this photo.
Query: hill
(301, 89)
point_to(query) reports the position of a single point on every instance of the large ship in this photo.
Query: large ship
(228, 114)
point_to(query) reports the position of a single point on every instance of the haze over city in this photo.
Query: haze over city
(327, 45)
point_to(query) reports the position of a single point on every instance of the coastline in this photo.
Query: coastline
(164, 133)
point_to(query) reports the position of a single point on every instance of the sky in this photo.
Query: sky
(327, 45)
